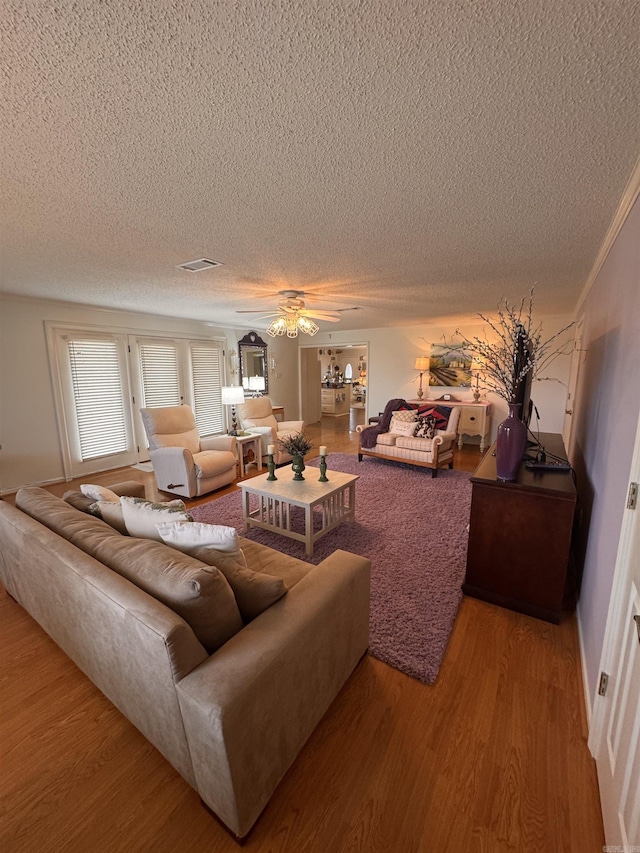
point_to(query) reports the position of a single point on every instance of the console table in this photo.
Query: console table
(475, 418)
(520, 537)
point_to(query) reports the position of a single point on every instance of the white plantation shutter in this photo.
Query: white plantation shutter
(207, 378)
(159, 371)
(98, 397)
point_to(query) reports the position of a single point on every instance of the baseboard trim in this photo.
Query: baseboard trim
(583, 666)
(51, 482)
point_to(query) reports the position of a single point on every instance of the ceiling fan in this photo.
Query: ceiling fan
(291, 315)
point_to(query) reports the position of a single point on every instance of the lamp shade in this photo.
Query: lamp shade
(422, 363)
(232, 395)
(256, 383)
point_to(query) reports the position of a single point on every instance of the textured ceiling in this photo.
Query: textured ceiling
(417, 159)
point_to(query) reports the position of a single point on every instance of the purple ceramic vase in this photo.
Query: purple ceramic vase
(510, 444)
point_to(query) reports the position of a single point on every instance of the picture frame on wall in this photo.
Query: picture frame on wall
(450, 366)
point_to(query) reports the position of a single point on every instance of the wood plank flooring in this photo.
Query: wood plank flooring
(490, 758)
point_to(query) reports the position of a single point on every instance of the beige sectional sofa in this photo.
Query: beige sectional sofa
(231, 720)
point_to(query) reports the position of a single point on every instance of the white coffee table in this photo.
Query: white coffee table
(337, 500)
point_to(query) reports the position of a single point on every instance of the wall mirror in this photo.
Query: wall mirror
(253, 363)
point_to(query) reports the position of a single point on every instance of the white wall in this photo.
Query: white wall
(605, 422)
(392, 354)
(31, 451)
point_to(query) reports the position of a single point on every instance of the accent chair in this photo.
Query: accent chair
(184, 463)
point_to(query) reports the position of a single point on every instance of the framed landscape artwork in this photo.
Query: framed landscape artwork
(450, 366)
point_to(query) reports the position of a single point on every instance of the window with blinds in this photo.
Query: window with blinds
(207, 378)
(98, 397)
(159, 373)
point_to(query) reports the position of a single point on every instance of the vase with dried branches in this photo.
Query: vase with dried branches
(517, 352)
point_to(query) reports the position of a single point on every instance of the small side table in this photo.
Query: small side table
(278, 410)
(243, 443)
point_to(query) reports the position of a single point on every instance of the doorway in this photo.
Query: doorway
(334, 382)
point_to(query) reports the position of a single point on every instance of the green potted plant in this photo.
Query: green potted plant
(296, 445)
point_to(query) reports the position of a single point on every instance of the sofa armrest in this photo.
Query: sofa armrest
(268, 436)
(445, 438)
(290, 426)
(175, 470)
(249, 708)
(219, 442)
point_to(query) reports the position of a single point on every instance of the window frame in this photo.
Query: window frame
(131, 386)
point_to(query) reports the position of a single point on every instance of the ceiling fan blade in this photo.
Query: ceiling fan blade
(319, 315)
(255, 311)
(264, 316)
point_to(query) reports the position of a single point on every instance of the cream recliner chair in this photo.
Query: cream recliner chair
(184, 463)
(256, 416)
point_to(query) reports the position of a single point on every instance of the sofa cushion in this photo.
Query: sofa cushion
(210, 463)
(254, 591)
(141, 517)
(387, 438)
(198, 593)
(217, 545)
(268, 561)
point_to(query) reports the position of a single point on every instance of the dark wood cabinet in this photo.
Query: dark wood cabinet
(520, 537)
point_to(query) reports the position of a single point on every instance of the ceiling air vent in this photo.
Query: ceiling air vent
(199, 265)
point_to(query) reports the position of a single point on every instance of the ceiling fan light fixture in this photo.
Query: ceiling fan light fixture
(307, 326)
(290, 324)
(277, 327)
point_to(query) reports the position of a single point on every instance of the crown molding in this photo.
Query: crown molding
(627, 201)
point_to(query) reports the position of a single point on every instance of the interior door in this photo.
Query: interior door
(615, 732)
(310, 385)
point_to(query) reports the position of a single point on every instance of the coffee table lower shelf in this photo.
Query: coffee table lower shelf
(332, 502)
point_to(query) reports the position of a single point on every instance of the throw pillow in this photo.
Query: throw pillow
(441, 414)
(192, 535)
(426, 427)
(403, 427)
(79, 501)
(111, 512)
(141, 517)
(219, 546)
(404, 415)
(98, 493)
(255, 592)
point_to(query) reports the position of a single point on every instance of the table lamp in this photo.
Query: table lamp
(422, 364)
(233, 395)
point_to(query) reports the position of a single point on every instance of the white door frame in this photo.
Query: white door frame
(570, 405)
(617, 625)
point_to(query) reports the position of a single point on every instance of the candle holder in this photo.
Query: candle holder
(271, 467)
(323, 470)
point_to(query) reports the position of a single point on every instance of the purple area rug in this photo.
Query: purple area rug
(414, 530)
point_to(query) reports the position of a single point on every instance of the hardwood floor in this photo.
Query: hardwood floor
(490, 758)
